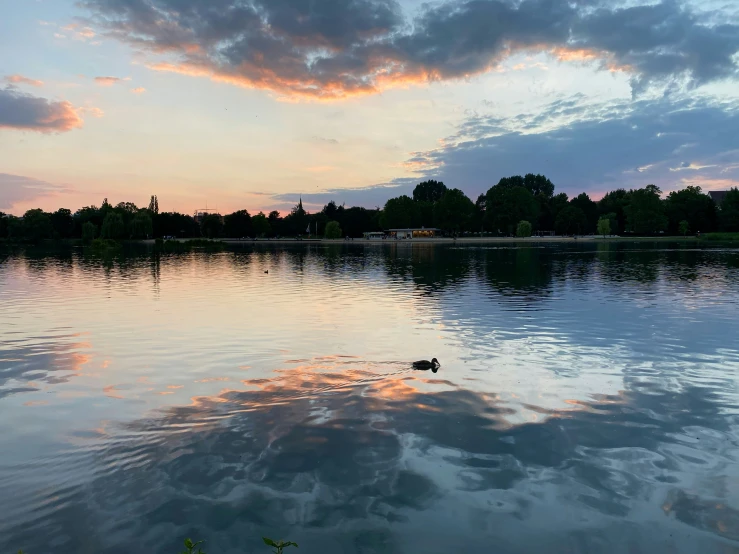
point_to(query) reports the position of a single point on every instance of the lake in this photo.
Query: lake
(587, 399)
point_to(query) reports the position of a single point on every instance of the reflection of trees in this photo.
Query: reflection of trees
(521, 271)
(431, 268)
(366, 455)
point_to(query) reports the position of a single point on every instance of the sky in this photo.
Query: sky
(249, 104)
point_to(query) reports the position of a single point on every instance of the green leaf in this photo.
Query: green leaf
(269, 542)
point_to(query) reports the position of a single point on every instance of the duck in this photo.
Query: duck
(425, 365)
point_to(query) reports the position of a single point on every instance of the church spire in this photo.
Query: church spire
(300, 202)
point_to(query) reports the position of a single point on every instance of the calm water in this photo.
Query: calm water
(587, 400)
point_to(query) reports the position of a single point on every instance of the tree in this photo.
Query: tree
(454, 211)
(684, 227)
(550, 209)
(331, 210)
(691, 205)
(645, 211)
(570, 221)
(113, 227)
(211, 225)
(36, 226)
(275, 222)
(538, 185)
(604, 226)
(615, 202)
(296, 222)
(333, 231)
(429, 191)
(142, 226)
(173, 224)
(729, 211)
(400, 213)
(3, 225)
(261, 225)
(154, 205)
(478, 217)
(506, 206)
(238, 224)
(589, 208)
(63, 223)
(523, 229)
(89, 232)
(425, 211)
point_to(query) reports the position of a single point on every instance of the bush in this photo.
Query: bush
(113, 227)
(523, 229)
(89, 232)
(333, 231)
(604, 226)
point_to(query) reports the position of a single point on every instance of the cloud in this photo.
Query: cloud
(17, 188)
(138, 90)
(330, 50)
(110, 81)
(79, 32)
(26, 112)
(580, 144)
(94, 112)
(368, 197)
(324, 140)
(595, 147)
(21, 80)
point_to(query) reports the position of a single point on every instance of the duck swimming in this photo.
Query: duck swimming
(425, 365)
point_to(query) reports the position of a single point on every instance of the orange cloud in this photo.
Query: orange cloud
(110, 81)
(20, 79)
(585, 55)
(138, 90)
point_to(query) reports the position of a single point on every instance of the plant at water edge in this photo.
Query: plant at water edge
(604, 226)
(278, 546)
(523, 229)
(191, 546)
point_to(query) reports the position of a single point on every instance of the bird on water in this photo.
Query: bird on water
(425, 365)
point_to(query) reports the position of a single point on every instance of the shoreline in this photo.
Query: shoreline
(444, 240)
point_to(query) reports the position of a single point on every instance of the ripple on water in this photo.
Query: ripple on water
(586, 399)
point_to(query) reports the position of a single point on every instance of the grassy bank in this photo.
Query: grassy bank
(721, 237)
(189, 245)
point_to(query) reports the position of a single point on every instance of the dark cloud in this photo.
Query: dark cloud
(26, 112)
(597, 147)
(333, 49)
(368, 197)
(580, 145)
(16, 188)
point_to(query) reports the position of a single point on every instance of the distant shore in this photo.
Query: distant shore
(461, 240)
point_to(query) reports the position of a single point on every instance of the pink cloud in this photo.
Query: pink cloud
(20, 79)
(138, 90)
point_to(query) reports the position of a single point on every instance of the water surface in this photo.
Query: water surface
(587, 399)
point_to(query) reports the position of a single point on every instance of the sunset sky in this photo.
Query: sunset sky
(251, 103)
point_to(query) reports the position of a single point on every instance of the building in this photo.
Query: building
(374, 235)
(718, 195)
(422, 233)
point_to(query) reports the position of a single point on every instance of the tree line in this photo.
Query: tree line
(516, 205)
(522, 205)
